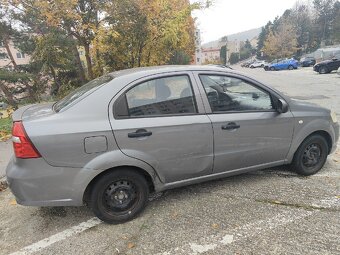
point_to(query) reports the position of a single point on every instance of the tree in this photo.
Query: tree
(234, 58)
(324, 12)
(282, 43)
(223, 54)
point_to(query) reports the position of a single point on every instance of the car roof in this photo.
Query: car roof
(145, 71)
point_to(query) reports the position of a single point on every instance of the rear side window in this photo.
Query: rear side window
(163, 96)
(85, 89)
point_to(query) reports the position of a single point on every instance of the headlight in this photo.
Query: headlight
(333, 116)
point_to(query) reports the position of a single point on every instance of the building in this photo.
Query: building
(19, 57)
(198, 48)
(211, 56)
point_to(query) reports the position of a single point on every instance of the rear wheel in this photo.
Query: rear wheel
(272, 69)
(311, 155)
(119, 196)
(290, 67)
(323, 70)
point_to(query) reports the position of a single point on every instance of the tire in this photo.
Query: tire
(323, 70)
(272, 69)
(119, 196)
(310, 156)
(262, 65)
(290, 67)
(251, 67)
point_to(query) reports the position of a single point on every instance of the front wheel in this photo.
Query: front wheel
(290, 67)
(311, 155)
(323, 70)
(272, 69)
(119, 196)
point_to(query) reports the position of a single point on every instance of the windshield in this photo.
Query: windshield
(85, 89)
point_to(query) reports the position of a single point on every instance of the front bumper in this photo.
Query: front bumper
(36, 183)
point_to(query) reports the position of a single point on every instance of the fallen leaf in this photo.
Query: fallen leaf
(13, 202)
(130, 245)
(277, 202)
(215, 226)
(338, 196)
(125, 238)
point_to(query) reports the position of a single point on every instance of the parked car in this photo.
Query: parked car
(267, 65)
(307, 61)
(119, 137)
(289, 64)
(258, 63)
(338, 72)
(248, 63)
(327, 66)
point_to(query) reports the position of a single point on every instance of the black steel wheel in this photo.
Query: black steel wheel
(311, 155)
(119, 196)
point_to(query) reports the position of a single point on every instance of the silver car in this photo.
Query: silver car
(124, 135)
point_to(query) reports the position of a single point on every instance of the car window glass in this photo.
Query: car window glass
(233, 94)
(85, 89)
(163, 96)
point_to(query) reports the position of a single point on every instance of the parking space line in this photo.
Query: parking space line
(58, 237)
(251, 229)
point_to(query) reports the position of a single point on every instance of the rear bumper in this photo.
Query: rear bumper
(336, 136)
(36, 183)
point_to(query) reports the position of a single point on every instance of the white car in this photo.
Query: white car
(258, 64)
(338, 72)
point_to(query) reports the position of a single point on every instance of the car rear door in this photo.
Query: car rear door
(247, 130)
(160, 119)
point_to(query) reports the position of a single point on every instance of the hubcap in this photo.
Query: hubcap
(312, 155)
(120, 196)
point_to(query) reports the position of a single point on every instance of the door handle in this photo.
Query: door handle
(230, 126)
(139, 133)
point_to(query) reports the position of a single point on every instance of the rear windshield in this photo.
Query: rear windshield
(87, 88)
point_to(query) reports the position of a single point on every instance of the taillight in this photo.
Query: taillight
(23, 147)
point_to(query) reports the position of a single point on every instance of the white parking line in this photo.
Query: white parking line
(209, 243)
(58, 237)
(213, 242)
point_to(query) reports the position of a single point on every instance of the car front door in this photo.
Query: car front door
(248, 131)
(161, 120)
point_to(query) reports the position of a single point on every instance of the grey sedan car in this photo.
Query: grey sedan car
(124, 135)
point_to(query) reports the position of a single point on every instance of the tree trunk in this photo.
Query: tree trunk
(81, 71)
(8, 95)
(88, 60)
(56, 82)
(6, 43)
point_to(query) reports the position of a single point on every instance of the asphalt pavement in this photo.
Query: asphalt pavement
(6, 153)
(272, 211)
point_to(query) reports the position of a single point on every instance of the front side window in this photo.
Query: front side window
(228, 94)
(163, 96)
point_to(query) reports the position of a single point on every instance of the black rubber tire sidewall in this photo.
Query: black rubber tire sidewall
(290, 67)
(297, 164)
(323, 70)
(104, 181)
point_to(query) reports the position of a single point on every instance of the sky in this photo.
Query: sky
(227, 17)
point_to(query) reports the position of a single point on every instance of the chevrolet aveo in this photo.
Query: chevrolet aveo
(124, 135)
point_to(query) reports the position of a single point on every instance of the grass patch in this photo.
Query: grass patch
(5, 128)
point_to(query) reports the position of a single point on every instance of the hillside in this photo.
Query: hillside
(242, 36)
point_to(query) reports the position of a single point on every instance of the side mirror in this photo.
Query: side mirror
(282, 106)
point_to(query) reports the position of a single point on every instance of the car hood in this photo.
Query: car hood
(297, 105)
(324, 62)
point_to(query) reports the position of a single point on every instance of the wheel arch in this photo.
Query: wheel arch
(141, 171)
(320, 132)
